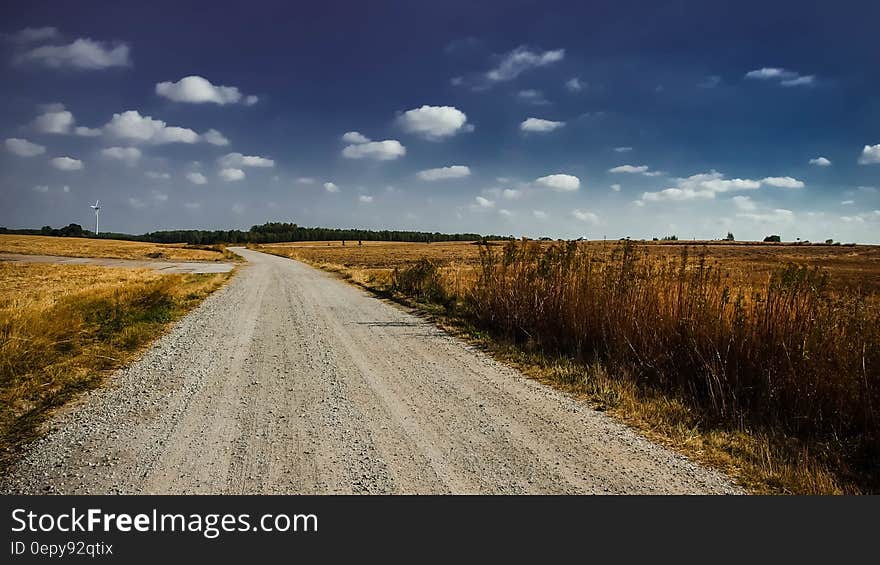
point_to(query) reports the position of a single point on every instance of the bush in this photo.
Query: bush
(772, 239)
(421, 280)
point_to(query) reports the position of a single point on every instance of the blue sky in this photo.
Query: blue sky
(525, 118)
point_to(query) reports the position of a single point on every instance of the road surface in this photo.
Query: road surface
(164, 266)
(291, 381)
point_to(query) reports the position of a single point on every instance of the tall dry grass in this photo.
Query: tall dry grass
(790, 358)
(63, 326)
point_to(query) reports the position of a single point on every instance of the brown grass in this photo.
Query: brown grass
(64, 327)
(111, 248)
(768, 371)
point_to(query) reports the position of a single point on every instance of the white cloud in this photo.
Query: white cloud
(710, 82)
(235, 160)
(585, 216)
(355, 137)
(847, 202)
(484, 202)
(532, 96)
(136, 203)
(539, 125)
(132, 126)
(33, 35)
(870, 155)
(306, 180)
(520, 60)
(629, 169)
(560, 182)
(129, 155)
(198, 90)
(820, 162)
(615, 187)
(196, 178)
(214, 137)
(539, 214)
(250, 100)
(575, 84)
(83, 131)
(231, 174)
(706, 186)
(84, 53)
(155, 175)
(445, 173)
(777, 216)
(623, 149)
(59, 121)
(66, 164)
(193, 205)
(505, 212)
(434, 122)
(744, 203)
(237, 208)
(160, 196)
(366, 199)
(23, 147)
(511, 193)
(379, 150)
(330, 187)
(783, 182)
(784, 76)
(41, 188)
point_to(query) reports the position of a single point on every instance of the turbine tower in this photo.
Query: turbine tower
(97, 208)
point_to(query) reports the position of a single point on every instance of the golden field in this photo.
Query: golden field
(760, 359)
(110, 248)
(64, 327)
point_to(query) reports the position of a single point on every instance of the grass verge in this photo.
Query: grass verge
(63, 328)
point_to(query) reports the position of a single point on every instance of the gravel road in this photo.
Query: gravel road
(164, 266)
(291, 381)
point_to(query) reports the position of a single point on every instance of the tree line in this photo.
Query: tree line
(272, 232)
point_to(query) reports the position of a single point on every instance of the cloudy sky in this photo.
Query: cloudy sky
(525, 118)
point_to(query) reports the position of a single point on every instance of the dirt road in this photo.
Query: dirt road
(290, 381)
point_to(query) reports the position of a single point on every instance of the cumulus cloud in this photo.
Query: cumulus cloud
(777, 216)
(532, 96)
(783, 182)
(231, 174)
(366, 199)
(214, 137)
(54, 120)
(820, 162)
(870, 155)
(445, 173)
(41, 188)
(539, 214)
(511, 193)
(784, 77)
(83, 131)
(23, 147)
(33, 35)
(82, 54)
(386, 150)
(129, 155)
(483, 202)
(629, 169)
(585, 216)
(155, 175)
(623, 149)
(575, 84)
(744, 203)
(195, 89)
(196, 178)
(521, 60)
(559, 182)
(130, 125)
(331, 187)
(615, 187)
(707, 185)
(66, 164)
(236, 160)
(306, 180)
(355, 137)
(434, 122)
(539, 125)
(505, 212)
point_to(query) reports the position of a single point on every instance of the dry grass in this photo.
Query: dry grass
(64, 327)
(767, 371)
(110, 248)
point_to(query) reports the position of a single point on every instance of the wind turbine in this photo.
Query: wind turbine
(97, 208)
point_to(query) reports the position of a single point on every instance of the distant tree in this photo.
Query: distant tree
(829, 241)
(772, 239)
(672, 237)
(729, 236)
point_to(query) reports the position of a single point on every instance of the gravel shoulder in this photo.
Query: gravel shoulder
(194, 267)
(290, 381)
